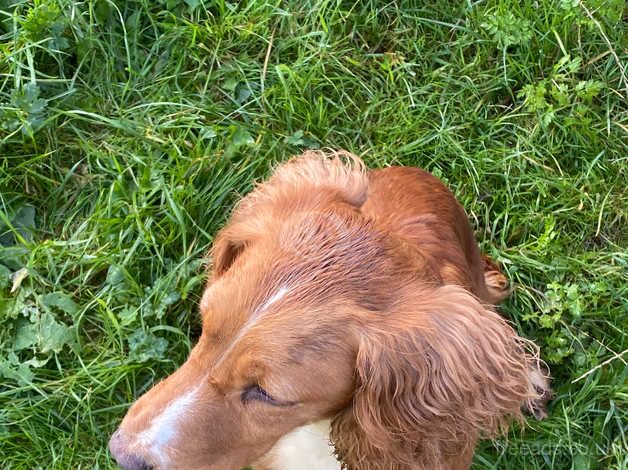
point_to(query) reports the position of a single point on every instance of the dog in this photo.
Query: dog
(348, 322)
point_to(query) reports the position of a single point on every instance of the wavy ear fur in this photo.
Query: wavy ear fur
(431, 379)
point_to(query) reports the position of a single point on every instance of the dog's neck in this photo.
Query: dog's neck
(305, 448)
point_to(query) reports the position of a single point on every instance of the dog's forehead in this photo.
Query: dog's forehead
(274, 292)
(270, 323)
(235, 299)
(253, 286)
(239, 300)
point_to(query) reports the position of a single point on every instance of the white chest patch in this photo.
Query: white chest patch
(305, 448)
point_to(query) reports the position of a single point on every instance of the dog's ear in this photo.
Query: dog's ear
(430, 380)
(225, 251)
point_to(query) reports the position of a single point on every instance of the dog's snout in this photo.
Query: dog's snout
(118, 446)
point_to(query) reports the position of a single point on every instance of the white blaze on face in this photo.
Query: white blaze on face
(255, 316)
(164, 428)
(276, 297)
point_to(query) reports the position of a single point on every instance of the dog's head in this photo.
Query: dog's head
(312, 313)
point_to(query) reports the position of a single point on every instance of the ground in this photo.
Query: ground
(129, 128)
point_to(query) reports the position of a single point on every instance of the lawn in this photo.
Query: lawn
(128, 129)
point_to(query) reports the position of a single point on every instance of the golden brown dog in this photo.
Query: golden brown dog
(347, 324)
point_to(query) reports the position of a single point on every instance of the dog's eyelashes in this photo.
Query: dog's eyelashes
(255, 392)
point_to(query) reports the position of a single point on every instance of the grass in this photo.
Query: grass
(129, 128)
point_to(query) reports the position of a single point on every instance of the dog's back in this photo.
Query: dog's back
(417, 207)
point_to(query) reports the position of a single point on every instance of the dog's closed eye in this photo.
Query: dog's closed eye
(257, 393)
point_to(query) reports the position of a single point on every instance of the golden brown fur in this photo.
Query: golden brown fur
(360, 297)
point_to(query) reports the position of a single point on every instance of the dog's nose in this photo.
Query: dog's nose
(128, 461)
